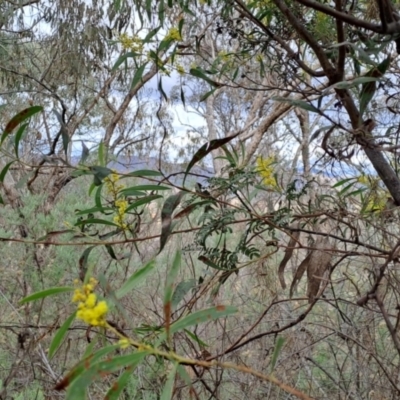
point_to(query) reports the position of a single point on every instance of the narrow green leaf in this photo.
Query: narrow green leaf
(199, 73)
(206, 149)
(119, 385)
(46, 293)
(195, 338)
(111, 252)
(100, 172)
(101, 155)
(145, 187)
(95, 221)
(169, 385)
(136, 278)
(138, 75)
(19, 118)
(18, 137)
(181, 290)
(83, 365)
(59, 336)
(298, 103)
(206, 95)
(124, 58)
(143, 172)
(83, 262)
(169, 206)
(199, 317)
(5, 170)
(160, 88)
(77, 390)
(342, 182)
(142, 201)
(278, 347)
(171, 278)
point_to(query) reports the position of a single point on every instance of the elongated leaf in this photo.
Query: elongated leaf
(144, 187)
(169, 385)
(278, 347)
(46, 293)
(77, 389)
(368, 89)
(99, 173)
(4, 171)
(19, 118)
(101, 155)
(199, 73)
(85, 153)
(166, 216)
(342, 182)
(84, 365)
(210, 263)
(136, 278)
(195, 338)
(118, 387)
(206, 95)
(124, 58)
(181, 290)
(59, 336)
(144, 172)
(138, 75)
(199, 317)
(142, 201)
(18, 137)
(93, 210)
(207, 149)
(169, 287)
(189, 209)
(297, 103)
(95, 221)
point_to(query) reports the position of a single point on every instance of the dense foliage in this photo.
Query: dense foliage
(199, 199)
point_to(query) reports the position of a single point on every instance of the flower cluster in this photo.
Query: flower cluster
(180, 69)
(120, 203)
(90, 310)
(266, 170)
(173, 34)
(132, 43)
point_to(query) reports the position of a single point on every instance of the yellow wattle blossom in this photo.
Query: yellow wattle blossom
(111, 184)
(266, 170)
(90, 310)
(173, 34)
(121, 204)
(180, 69)
(124, 343)
(132, 43)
